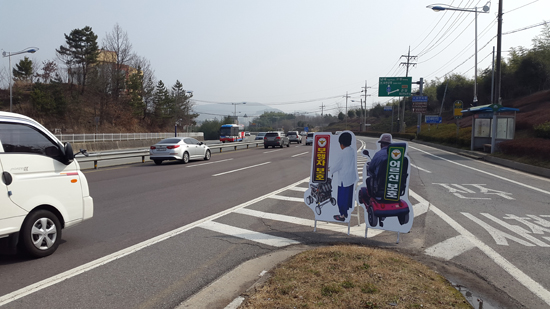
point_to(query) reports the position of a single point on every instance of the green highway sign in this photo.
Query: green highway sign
(394, 86)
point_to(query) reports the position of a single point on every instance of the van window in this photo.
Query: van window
(22, 138)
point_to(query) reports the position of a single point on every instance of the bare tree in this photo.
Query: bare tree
(117, 41)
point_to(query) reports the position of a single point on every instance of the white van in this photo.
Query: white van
(42, 190)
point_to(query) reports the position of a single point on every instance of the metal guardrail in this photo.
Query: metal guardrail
(114, 155)
(109, 137)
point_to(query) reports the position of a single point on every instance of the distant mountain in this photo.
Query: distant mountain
(250, 110)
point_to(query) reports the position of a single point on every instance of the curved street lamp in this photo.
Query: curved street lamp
(30, 50)
(484, 9)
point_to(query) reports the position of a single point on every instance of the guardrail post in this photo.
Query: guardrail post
(247, 146)
(220, 149)
(235, 148)
(95, 164)
(142, 159)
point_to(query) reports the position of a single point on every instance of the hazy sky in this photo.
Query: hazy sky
(293, 55)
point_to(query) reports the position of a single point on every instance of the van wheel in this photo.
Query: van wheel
(40, 234)
(158, 162)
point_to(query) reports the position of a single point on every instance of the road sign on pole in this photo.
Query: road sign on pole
(419, 103)
(458, 109)
(394, 86)
(433, 119)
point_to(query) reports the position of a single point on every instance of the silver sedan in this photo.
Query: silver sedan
(179, 148)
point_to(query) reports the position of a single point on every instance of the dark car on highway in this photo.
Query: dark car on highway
(273, 139)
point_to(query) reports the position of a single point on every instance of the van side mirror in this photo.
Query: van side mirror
(69, 154)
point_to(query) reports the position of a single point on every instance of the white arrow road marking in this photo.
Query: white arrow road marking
(262, 238)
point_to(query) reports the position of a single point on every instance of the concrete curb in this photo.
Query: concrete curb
(243, 278)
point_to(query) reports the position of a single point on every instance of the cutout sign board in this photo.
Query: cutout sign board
(333, 177)
(384, 193)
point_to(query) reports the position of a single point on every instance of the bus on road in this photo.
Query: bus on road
(232, 133)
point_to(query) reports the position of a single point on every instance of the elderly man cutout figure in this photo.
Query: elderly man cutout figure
(346, 167)
(379, 157)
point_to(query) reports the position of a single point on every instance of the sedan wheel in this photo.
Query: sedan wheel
(40, 234)
(185, 158)
(207, 155)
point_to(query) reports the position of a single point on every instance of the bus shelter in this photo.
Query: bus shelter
(487, 119)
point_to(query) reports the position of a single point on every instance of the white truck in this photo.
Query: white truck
(43, 190)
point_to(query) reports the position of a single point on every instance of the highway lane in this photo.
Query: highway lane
(506, 210)
(171, 270)
(136, 202)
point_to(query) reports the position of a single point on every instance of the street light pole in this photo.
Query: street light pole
(235, 111)
(31, 50)
(485, 9)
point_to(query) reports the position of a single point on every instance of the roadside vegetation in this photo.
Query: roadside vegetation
(105, 86)
(354, 277)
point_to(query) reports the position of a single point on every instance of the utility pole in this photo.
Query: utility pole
(322, 108)
(499, 48)
(365, 112)
(346, 114)
(407, 64)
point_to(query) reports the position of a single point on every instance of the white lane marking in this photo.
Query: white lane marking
(354, 230)
(301, 189)
(274, 150)
(209, 163)
(419, 168)
(240, 169)
(124, 252)
(484, 172)
(510, 268)
(450, 248)
(287, 198)
(303, 153)
(262, 238)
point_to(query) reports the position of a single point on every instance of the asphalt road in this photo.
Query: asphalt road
(161, 233)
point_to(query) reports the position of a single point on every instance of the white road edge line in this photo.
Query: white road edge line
(484, 172)
(419, 168)
(510, 268)
(240, 169)
(124, 252)
(303, 153)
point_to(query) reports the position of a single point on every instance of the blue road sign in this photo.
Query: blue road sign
(433, 119)
(306, 129)
(419, 98)
(388, 108)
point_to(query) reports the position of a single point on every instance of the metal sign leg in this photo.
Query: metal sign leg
(315, 226)
(397, 238)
